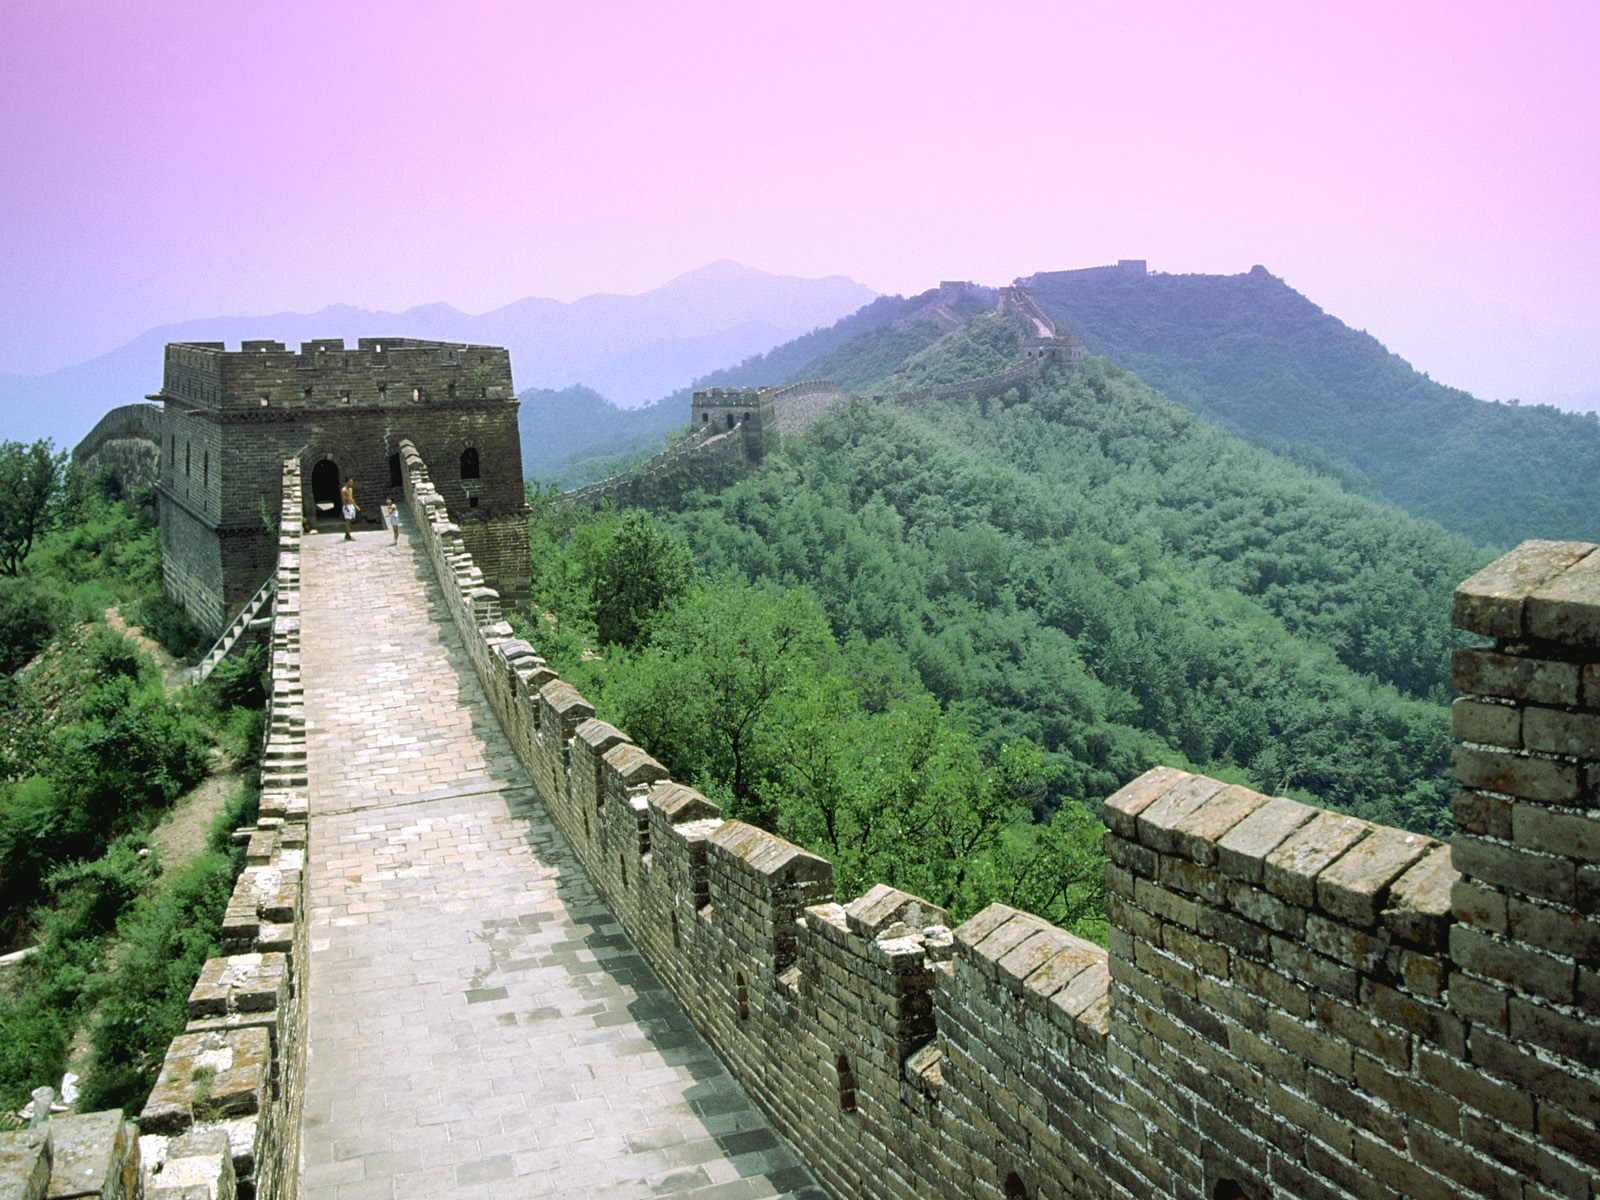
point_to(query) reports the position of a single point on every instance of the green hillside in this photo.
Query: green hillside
(996, 613)
(575, 436)
(1254, 354)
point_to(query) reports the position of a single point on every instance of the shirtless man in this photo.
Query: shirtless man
(348, 505)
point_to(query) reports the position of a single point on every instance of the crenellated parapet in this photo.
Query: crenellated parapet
(224, 1115)
(1291, 1001)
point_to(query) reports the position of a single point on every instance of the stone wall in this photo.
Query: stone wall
(225, 1111)
(1292, 1002)
(231, 418)
(124, 444)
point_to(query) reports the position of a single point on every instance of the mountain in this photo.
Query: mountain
(1085, 564)
(1254, 354)
(575, 437)
(630, 349)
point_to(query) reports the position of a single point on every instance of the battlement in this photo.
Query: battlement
(1291, 1001)
(378, 372)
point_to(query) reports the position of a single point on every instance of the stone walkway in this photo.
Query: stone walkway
(480, 1026)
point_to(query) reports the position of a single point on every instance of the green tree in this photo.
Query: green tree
(33, 488)
(643, 570)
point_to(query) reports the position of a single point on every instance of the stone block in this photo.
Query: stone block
(1522, 872)
(1562, 932)
(1482, 813)
(1355, 886)
(1291, 870)
(1565, 607)
(1546, 831)
(632, 766)
(1481, 907)
(1485, 722)
(1481, 672)
(1196, 835)
(206, 1076)
(679, 804)
(1123, 806)
(25, 1158)
(1556, 731)
(1511, 963)
(197, 1165)
(1529, 776)
(95, 1155)
(881, 908)
(1155, 825)
(1418, 907)
(239, 983)
(1243, 849)
(1492, 602)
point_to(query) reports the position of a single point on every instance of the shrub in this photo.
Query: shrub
(239, 681)
(172, 627)
(140, 1005)
(28, 619)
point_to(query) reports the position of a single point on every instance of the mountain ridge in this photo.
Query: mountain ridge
(630, 348)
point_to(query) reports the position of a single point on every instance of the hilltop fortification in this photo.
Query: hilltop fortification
(230, 418)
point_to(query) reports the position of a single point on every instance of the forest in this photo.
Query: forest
(927, 640)
(1255, 355)
(114, 911)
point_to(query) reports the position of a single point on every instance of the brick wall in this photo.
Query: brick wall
(241, 1137)
(231, 418)
(1292, 1002)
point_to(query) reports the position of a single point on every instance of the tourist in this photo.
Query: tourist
(391, 518)
(347, 501)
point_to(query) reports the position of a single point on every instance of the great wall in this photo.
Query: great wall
(710, 456)
(1291, 1002)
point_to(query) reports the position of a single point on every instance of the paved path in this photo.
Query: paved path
(480, 1026)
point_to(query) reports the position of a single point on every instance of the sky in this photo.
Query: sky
(1428, 172)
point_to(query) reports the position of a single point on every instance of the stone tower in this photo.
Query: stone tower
(231, 418)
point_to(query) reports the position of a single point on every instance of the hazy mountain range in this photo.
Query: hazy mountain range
(629, 349)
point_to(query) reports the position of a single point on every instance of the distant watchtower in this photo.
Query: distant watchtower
(715, 410)
(230, 418)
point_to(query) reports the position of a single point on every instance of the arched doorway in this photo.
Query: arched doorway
(325, 490)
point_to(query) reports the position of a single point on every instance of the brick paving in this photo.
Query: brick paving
(479, 1025)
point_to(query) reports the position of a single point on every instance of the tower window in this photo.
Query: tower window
(469, 463)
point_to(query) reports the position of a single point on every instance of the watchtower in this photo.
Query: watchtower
(720, 409)
(230, 418)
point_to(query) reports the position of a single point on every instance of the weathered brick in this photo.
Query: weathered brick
(1156, 824)
(1491, 602)
(1540, 1078)
(1482, 1002)
(1196, 835)
(1482, 813)
(1487, 723)
(1540, 1025)
(1243, 849)
(1529, 776)
(1355, 886)
(1481, 907)
(1557, 930)
(1556, 731)
(1291, 870)
(1123, 806)
(1512, 963)
(1521, 871)
(1571, 834)
(1418, 907)
(1565, 608)
(1534, 680)
(1475, 1089)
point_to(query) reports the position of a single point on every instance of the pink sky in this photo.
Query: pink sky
(1428, 172)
